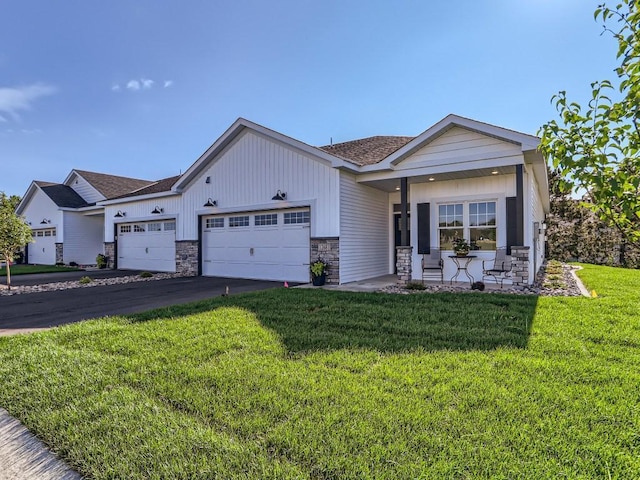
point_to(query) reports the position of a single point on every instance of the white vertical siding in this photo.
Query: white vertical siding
(249, 172)
(364, 231)
(83, 239)
(459, 145)
(494, 188)
(40, 207)
(141, 211)
(84, 189)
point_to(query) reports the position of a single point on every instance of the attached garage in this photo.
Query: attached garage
(268, 245)
(147, 246)
(43, 250)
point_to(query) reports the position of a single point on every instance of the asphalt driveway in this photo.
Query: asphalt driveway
(48, 309)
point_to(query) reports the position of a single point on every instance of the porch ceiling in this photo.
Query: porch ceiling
(393, 184)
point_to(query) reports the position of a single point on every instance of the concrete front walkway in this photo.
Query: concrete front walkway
(24, 457)
(377, 283)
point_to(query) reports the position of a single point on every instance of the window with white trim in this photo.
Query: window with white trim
(217, 222)
(473, 221)
(125, 228)
(242, 221)
(296, 217)
(139, 228)
(169, 226)
(266, 219)
(450, 224)
(482, 225)
(154, 227)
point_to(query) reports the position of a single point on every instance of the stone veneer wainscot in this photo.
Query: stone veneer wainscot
(110, 252)
(187, 257)
(327, 249)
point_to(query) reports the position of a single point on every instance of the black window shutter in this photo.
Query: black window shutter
(512, 224)
(424, 228)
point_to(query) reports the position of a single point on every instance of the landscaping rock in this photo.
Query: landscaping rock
(544, 285)
(96, 282)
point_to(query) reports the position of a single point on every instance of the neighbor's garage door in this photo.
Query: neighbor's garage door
(43, 250)
(270, 245)
(147, 246)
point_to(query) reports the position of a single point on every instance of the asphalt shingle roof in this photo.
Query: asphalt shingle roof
(62, 195)
(112, 186)
(367, 151)
(163, 185)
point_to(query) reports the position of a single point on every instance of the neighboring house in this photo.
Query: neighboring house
(67, 224)
(259, 204)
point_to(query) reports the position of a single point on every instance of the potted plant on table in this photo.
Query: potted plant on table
(319, 272)
(461, 247)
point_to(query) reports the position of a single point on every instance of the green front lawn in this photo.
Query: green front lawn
(294, 383)
(29, 269)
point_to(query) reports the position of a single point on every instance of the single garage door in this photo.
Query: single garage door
(271, 245)
(147, 246)
(43, 250)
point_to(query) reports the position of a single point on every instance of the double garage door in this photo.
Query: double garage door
(43, 249)
(271, 245)
(147, 246)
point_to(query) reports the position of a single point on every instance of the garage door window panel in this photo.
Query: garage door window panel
(125, 228)
(154, 227)
(214, 222)
(267, 219)
(242, 221)
(291, 218)
(169, 226)
(139, 228)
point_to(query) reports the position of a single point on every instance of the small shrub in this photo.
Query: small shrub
(73, 264)
(415, 286)
(59, 264)
(101, 260)
(146, 274)
(85, 280)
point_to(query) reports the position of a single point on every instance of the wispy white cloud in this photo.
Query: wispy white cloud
(133, 85)
(146, 83)
(137, 84)
(16, 99)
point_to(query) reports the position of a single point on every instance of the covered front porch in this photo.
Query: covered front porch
(486, 207)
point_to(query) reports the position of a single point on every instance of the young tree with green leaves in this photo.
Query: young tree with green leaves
(15, 233)
(596, 149)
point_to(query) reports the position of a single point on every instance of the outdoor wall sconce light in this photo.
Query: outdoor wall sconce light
(120, 214)
(207, 180)
(211, 203)
(157, 210)
(494, 172)
(280, 195)
(45, 221)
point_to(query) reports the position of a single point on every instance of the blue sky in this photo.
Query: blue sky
(142, 87)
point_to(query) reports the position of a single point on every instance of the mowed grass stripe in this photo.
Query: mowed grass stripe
(314, 384)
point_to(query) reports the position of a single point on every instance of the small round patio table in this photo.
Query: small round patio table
(462, 265)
